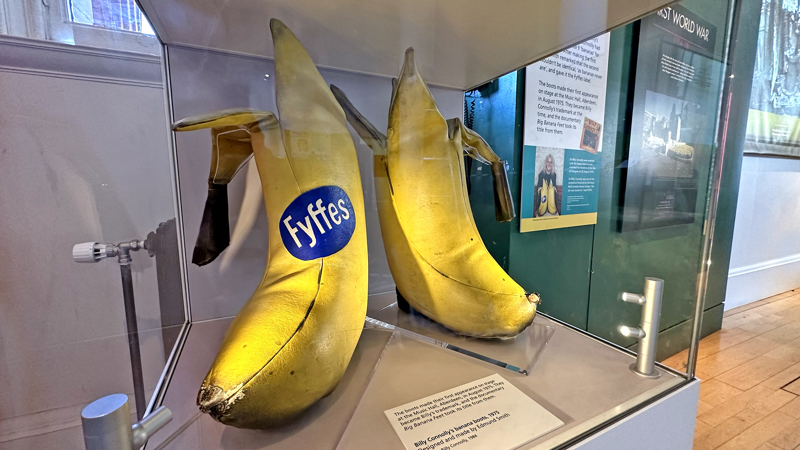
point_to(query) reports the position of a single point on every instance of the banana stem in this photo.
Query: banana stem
(374, 139)
(231, 149)
(479, 150)
(503, 203)
(222, 118)
(477, 142)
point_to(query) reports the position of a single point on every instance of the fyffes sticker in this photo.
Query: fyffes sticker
(318, 223)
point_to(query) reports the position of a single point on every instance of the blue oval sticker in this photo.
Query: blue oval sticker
(318, 223)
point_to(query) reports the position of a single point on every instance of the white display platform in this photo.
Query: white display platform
(667, 424)
(582, 381)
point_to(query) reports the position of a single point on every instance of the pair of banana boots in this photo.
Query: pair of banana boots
(292, 341)
(547, 198)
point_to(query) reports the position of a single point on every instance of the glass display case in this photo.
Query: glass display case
(513, 182)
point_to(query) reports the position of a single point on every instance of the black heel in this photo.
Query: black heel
(402, 303)
(214, 235)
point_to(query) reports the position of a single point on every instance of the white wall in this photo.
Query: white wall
(83, 157)
(765, 257)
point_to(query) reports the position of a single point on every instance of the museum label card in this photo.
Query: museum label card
(487, 413)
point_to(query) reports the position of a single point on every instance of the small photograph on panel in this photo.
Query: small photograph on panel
(549, 168)
(590, 138)
(668, 125)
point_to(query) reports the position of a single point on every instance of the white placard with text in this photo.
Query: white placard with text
(487, 413)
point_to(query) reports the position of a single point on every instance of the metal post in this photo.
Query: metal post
(133, 339)
(107, 424)
(92, 252)
(739, 59)
(651, 315)
(647, 333)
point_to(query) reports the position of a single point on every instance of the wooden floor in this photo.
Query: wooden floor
(750, 372)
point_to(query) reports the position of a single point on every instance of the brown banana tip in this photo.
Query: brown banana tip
(209, 397)
(535, 298)
(409, 63)
(273, 23)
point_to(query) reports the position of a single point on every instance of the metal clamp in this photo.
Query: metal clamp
(92, 252)
(107, 424)
(647, 332)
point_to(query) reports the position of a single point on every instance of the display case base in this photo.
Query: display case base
(582, 381)
(399, 380)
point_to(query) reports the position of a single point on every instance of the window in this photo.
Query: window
(122, 15)
(106, 24)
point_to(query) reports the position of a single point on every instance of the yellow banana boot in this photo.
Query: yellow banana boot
(543, 196)
(292, 341)
(437, 258)
(551, 198)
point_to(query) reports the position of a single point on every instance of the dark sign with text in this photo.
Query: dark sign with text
(672, 126)
(686, 25)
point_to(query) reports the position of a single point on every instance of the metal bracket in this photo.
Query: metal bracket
(92, 252)
(647, 332)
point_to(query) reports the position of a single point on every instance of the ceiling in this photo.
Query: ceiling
(459, 43)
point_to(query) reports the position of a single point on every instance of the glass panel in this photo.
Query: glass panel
(632, 206)
(655, 188)
(85, 159)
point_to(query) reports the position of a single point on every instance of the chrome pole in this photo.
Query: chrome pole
(647, 332)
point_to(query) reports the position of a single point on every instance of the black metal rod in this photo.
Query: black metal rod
(133, 340)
